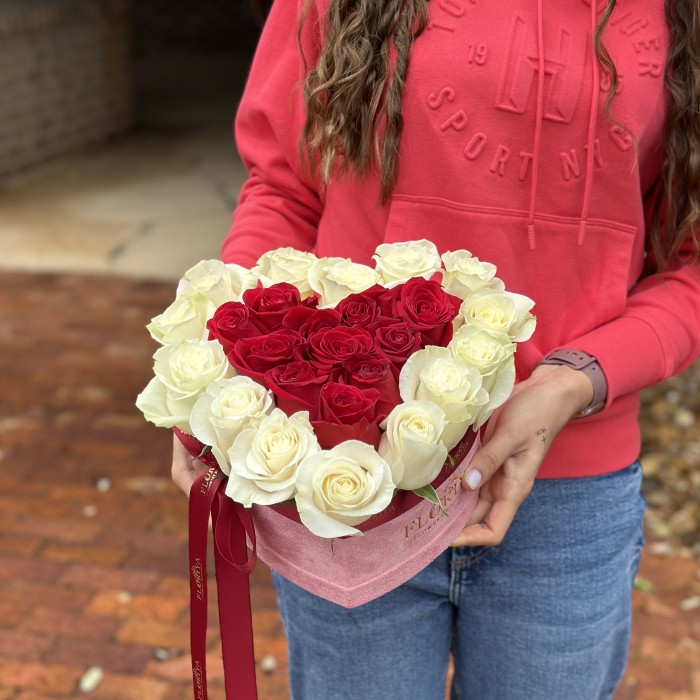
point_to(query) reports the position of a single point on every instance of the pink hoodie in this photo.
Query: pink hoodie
(506, 151)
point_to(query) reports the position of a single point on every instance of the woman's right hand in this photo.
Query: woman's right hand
(185, 469)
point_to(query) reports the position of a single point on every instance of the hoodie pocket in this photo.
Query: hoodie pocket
(575, 287)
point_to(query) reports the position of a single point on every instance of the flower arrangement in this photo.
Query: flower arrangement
(329, 385)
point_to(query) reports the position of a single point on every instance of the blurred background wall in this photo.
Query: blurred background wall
(66, 78)
(116, 143)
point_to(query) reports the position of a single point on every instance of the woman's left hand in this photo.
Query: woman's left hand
(516, 440)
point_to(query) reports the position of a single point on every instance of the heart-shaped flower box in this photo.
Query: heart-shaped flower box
(336, 407)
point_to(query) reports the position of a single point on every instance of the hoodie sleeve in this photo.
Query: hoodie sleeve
(278, 205)
(657, 336)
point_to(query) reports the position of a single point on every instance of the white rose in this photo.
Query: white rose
(412, 443)
(465, 274)
(484, 350)
(397, 262)
(183, 371)
(286, 265)
(491, 353)
(220, 282)
(265, 459)
(498, 311)
(342, 487)
(433, 374)
(185, 319)
(224, 409)
(333, 279)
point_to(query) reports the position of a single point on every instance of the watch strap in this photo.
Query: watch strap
(583, 362)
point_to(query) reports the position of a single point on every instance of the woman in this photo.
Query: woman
(560, 141)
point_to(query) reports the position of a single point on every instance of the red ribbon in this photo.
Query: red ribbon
(231, 523)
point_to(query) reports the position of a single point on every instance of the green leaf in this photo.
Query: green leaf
(452, 460)
(430, 494)
(205, 451)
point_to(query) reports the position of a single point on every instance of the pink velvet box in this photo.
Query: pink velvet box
(353, 570)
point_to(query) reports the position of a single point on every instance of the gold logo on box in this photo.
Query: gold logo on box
(420, 525)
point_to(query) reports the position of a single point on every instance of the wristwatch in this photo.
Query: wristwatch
(582, 361)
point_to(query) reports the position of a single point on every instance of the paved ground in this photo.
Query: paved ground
(93, 567)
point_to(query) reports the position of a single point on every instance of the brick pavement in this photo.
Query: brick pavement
(93, 534)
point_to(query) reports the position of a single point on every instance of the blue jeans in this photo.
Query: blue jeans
(543, 616)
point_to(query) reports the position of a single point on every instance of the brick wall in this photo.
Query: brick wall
(64, 77)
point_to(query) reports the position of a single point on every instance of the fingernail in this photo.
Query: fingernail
(473, 478)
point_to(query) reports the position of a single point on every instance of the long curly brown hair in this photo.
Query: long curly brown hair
(354, 121)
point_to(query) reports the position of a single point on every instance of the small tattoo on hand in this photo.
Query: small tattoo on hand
(542, 434)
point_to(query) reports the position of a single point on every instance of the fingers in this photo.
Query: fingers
(184, 469)
(492, 531)
(481, 468)
(487, 461)
(483, 506)
(184, 480)
(499, 500)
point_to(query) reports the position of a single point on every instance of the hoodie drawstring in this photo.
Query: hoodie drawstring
(538, 127)
(592, 121)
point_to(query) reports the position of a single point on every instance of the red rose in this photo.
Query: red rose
(331, 434)
(428, 308)
(346, 404)
(382, 296)
(366, 371)
(358, 310)
(230, 323)
(333, 346)
(296, 387)
(307, 321)
(347, 413)
(255, 356)
(398, 340)
(269, 305)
